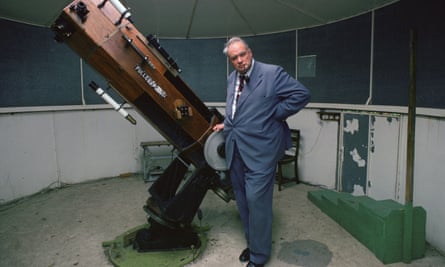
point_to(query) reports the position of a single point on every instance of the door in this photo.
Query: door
(383, 168)
(370, 155)
(354, 153)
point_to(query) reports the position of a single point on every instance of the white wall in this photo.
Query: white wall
(27, 154)
(48, 148)
(42, 149)
(318, 148)
(429, 176)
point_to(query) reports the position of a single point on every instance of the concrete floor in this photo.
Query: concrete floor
(66, 227)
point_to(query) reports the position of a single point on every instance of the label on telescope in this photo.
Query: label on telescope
(147, 78)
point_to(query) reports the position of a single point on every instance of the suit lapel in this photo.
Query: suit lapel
(231, 92)
(255, 80)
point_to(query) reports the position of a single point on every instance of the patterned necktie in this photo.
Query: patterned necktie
(242, 78)
(238, 91)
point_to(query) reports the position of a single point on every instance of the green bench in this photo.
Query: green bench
(377, 224)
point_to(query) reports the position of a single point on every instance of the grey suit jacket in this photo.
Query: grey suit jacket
(259, 126)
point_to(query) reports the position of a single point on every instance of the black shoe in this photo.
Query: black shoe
(251, 264)
(245, 255)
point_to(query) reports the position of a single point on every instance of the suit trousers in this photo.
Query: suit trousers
(253, 191)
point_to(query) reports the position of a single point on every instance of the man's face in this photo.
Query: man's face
(240, 56)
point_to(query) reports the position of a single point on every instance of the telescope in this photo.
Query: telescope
(146, 76)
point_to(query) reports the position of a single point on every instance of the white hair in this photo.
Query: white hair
(233, 40)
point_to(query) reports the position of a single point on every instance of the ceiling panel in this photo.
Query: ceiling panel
(208, 18)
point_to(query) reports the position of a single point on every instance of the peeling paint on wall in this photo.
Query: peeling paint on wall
(383, 163)
(392, 119)
(371, 134)
(356, 158)
(351, 126)
(358, 190)
(355, 151)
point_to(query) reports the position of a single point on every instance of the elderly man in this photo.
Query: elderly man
(260, 97)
